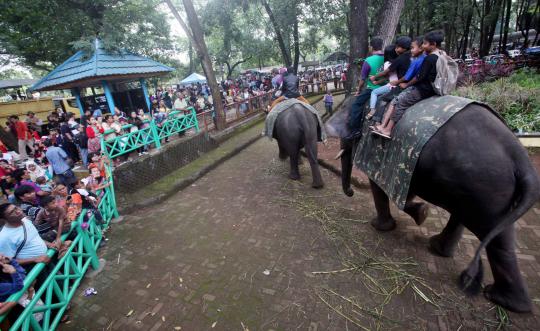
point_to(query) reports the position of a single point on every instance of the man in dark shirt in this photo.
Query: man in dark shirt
(290, 84)
(419, 88)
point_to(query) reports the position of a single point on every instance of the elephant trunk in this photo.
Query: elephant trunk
(346, 166)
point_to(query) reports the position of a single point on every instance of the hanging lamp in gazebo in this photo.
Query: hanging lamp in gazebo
(100, 69)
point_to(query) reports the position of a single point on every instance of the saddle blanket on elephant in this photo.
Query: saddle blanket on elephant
(391, 163)
(286, 104)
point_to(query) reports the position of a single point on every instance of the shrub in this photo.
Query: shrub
(516, 98)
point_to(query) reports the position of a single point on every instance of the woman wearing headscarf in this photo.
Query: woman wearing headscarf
(35, 171)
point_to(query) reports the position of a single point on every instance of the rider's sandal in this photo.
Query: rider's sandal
(379, 133)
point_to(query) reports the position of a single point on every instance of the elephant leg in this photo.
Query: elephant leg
(282, 152)
(417, 210)
(444, 244)
(384, 220)
(311, 152)
(508, 290)
(346, 166)
(295, 172)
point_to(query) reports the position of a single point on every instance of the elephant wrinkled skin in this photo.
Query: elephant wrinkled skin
(297, 128)
(475, 168)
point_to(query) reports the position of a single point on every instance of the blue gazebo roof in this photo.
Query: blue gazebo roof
(80, 72)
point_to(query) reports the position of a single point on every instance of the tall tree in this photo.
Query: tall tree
(358, 27)
(196, 35)
(388, 19)
(488, 11)
(44, 33)
(285, 51)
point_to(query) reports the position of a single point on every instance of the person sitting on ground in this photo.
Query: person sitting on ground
(44, 184)
(51, 222)
(26, 196)
(21, 177)
(34, 170)
(419, 88)
(96, 182)
(5, 178)
(19, 238)
(60, 194)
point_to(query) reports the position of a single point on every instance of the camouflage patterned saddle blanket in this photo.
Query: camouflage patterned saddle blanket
(282, 106)
(391, 163)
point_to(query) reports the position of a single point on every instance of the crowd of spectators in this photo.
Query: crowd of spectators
(41, 199)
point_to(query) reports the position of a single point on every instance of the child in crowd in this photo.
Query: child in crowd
(328, 102)
(43, 184)
(52, 219)
(418, 88)
(100, 162)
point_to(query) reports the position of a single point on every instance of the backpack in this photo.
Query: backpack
(447, 74)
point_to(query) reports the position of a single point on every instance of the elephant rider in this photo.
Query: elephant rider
(289, 88)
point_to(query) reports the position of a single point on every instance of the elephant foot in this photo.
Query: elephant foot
(438, 248)
(418, 211)
(294, 176)
(515, 301)
(384, 225)
(317, 185)
(348, 191)
(282, 155)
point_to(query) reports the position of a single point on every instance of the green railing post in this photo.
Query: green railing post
(89, 248)
(157, 140)
(194, 118)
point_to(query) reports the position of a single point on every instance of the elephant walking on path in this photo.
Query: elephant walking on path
(475, 168)
(296, 128)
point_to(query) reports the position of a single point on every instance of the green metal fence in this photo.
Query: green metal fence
(45, 309)
(177, 121)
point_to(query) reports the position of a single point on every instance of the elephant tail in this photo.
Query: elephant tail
(527, 193)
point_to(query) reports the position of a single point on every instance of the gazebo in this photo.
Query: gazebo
(114, 73)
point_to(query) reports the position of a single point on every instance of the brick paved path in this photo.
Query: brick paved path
(245, 248)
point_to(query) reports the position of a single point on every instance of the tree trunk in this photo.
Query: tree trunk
(506, 24)
(488, 23)
(196, 34)
(285, 53)
(358, 40)
(191, 64)
(296, 40)
(466, 32)
(388, 19)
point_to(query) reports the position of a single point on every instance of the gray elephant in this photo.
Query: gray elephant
(296, 128)
(475, 168)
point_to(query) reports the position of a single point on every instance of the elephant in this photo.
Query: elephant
(475, 168)
(295, 128)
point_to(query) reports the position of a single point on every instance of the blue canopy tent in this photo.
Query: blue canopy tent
(194, 78)
(111, 71)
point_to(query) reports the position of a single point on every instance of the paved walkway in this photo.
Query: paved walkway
(244, 248)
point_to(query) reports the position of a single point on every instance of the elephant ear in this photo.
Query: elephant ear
(337, 125)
